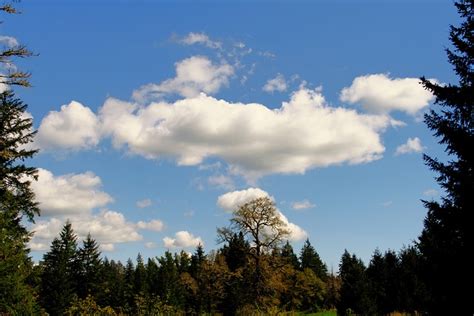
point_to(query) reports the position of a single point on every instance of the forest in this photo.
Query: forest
(256, 271)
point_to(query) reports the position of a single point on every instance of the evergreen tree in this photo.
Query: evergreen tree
(310, 259)
(128, 290)
(383, 274)
(170, 289)
(413, 295)
(60, 266)
(289, 256)
(139, 282)
(16, 201)
(89, 264)
(197, 260)
(235, 252)
(16, 196)
(355, 295)
(152, 277)
(447, 237)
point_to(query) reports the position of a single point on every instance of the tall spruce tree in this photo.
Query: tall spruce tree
(289, 256)
(16, 201)
(447, 238)
(310, 259)
(60, 266)
(354, 294)
(16, 196)
(89, 274)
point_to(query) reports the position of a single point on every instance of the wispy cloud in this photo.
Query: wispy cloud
(431, 193)
(276, 84)
(302, 205)
(413, 145)
(193, 38)
(143, 203)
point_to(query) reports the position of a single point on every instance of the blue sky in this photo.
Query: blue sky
(157, 117)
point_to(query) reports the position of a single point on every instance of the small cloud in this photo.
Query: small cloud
(107, 247)
(302, 205)
(200, 38)
(154, 225)
(378, 93)
(143, 203)
(213, 166)
(387, 203)
(150, 245)
(431, 193)
(194, 75)
(267, 54)
(221, 181)
(276, 84)
(189, 213)
(413, 145)
(183, 239)
(38, 246)
(8, 41)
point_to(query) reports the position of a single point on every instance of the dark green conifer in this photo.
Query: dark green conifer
(447, 238)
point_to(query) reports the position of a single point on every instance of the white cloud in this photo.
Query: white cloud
(68, 194)
(38, 246)
(154, 225)
(379, 93)
(413, 145)
(301, 205)
(74, 127)
(8, 41)
(213, 166)
(221, 181)
(183, 239)
(108, 228)
(231, 201)
(276, 84)
(194, 75)
(296, 232)
(143, 203)
(267, 54)
(107, 247)
(431, 193)
(150, 245)
(387, 203)
(255, 140)
(200, 38)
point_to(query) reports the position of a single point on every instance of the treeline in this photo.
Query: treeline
(74, 280)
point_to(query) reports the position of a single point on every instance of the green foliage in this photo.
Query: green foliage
(447, 237)
(310, 259)
(236, 251)
(355, 296)
(289, 256)
(60, 269)
(89, 264)
(16, 296)
(16, 201)
(88, 306)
